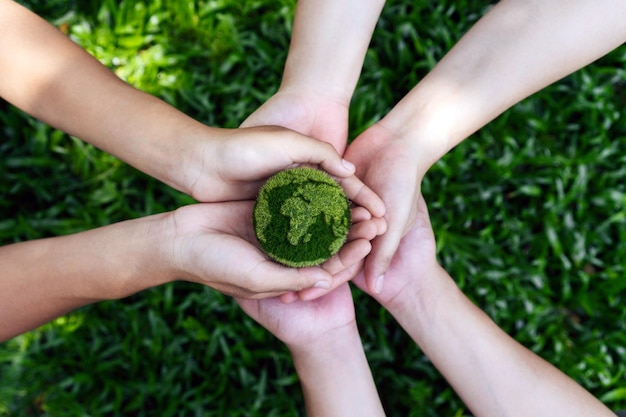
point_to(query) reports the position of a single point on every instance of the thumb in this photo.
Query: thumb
(307, 150)
(377, 262)
(278, 279)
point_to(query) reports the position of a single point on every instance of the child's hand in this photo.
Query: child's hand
(302, 323)
(318, 117)
(412, 268)
(214, 244)
(235, 167)
(327, 351)
(390, 167)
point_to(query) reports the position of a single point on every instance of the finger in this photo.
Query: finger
(289, 297)
(344, 266)
(305, 150)
(367, 230)
(359, 214)
(381, 225)
(348, 274)
(269, 279)
(352, 252)
(362, 195)
(378, 261)
(340, 279)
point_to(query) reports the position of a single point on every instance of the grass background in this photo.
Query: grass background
(530, 216)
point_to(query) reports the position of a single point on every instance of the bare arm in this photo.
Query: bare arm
(516, 49)
(50, 77)
(41, 280)
(202, 243)
(328, 355)
(328, 45)
(335, 377)
(493, 374)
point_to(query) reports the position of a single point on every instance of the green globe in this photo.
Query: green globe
(301, 217)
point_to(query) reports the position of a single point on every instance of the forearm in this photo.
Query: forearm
(328, 46)
(44, 279)
(50, 77)
(336, 378)
(492, 373)
(516, 49)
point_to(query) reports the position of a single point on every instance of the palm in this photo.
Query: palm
(386, 166)
(413, 261)
(321, 119)
(302, 322)
(213, 244)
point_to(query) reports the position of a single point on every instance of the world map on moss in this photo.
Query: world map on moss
(301, 217)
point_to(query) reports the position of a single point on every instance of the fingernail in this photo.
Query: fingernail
(322, 284)
(348, 165)
(378, 285)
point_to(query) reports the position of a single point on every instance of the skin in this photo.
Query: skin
(203, 243)
(48, 76)
(324, 342)
(516, 49)
(321, 72)
(491, 372)
(319, 81)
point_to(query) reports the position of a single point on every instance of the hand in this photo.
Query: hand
(317, 117)
(326, 120)
(411, 269)
(327, 351)
(389, 166)
(233, 163)
(214, 244)
(302, 323)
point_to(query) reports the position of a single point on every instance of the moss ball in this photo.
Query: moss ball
(301, 217)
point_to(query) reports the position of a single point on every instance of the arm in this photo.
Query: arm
(328, 45)
(324, 341)
(517, 48)
(203, 243)
(50, 77)
(44, 73)
(335, 377)
(491, 372)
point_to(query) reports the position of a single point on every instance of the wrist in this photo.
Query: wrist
(335, 377)
(121, 259)
(420, 307)
(334, 345)
(426, 119)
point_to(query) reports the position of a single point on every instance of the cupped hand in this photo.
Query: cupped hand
(214, 244)
(231, 164)
(390, 168)
(412, 267)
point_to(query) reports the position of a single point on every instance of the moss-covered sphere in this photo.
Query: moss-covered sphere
(301, 217)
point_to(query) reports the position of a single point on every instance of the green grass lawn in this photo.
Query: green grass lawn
(530, 216)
